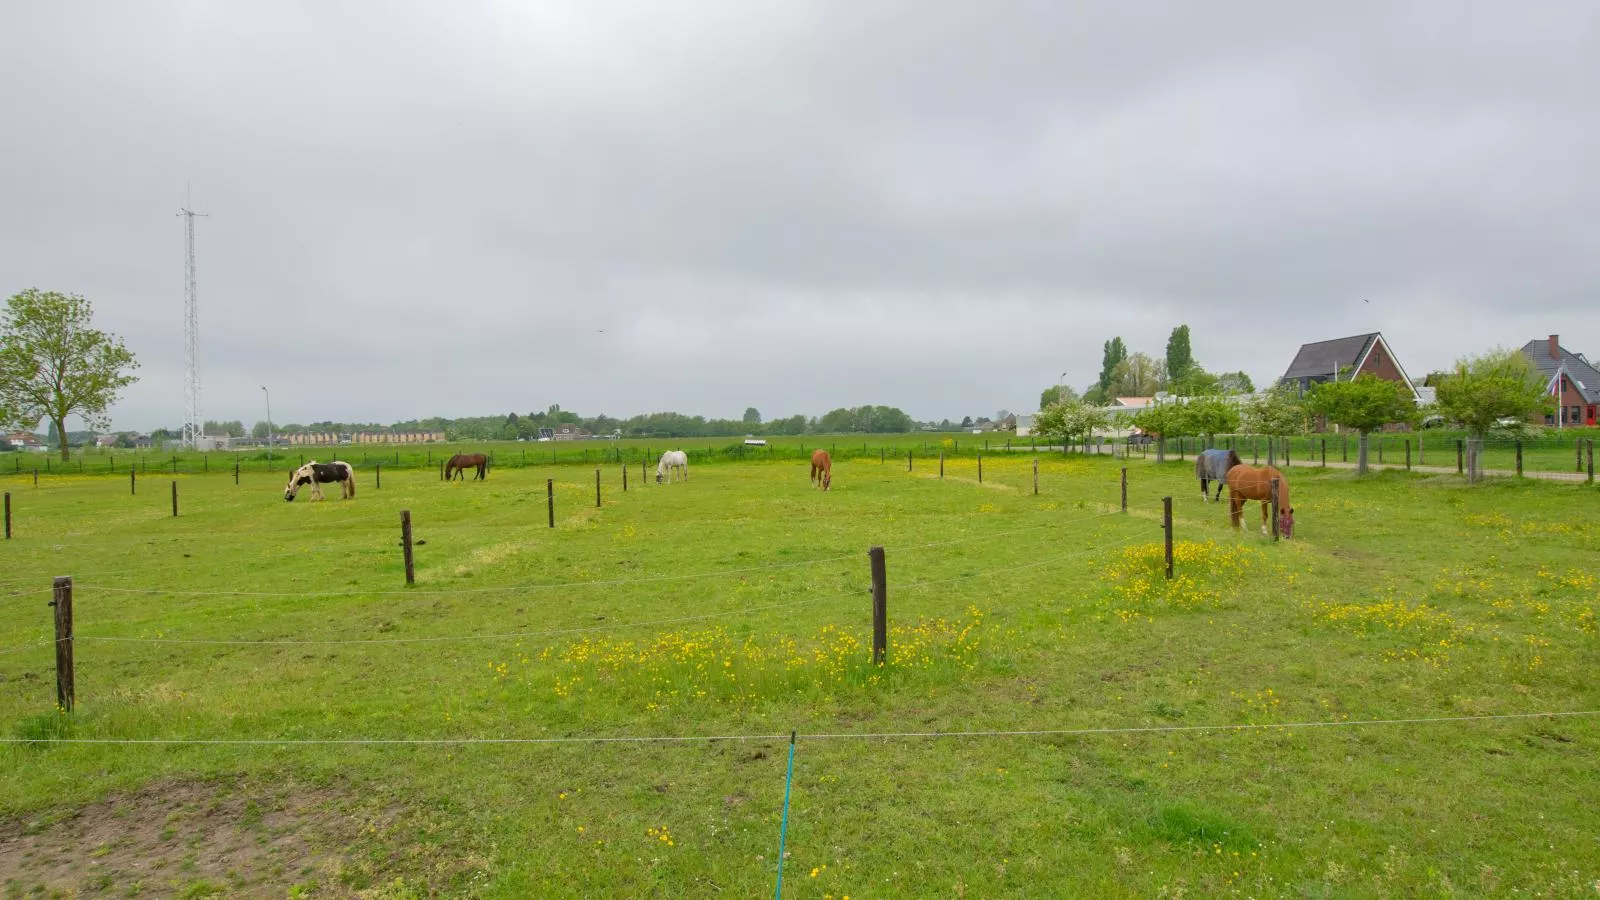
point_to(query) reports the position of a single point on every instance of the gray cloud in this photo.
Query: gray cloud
(420, 210)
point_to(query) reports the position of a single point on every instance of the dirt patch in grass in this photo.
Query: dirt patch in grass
(186, 838)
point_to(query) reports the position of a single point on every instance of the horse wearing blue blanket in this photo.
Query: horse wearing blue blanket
(1213, 465)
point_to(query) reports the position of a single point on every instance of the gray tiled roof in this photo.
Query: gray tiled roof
(1584, 376)
(1325, 357)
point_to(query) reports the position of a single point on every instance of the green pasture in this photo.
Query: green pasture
(737, 606)
(1546, 451)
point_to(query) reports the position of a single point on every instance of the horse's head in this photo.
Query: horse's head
(297, 478)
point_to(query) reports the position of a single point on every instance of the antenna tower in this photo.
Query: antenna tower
(191, 335)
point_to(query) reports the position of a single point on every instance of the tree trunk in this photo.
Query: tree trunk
(1474, 460)
(61, 434)
(1361, 454)
(1161, 449)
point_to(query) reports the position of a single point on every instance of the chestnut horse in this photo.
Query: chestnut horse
(459, 464)
(1255, 483)
(821, 469)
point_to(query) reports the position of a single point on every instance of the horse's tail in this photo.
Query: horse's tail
(1200, 465)
(350, 479)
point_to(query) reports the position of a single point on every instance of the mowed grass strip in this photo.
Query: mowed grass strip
(738, 604)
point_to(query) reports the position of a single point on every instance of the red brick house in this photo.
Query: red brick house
(1343, 359)
(1570, 377)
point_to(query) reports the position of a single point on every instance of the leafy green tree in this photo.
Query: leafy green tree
(1054, 394)
(1137, 376)
(1163, 420)
(1094, 395)
(1180, 359)
(752, 417)
(1209, 416)
(1235, 383)
(1278, 412)
(1484, 389)
(1071, 421)
(1363, 403)
(1113, 352)
(54, 363)
(260, 430)
(966, 421)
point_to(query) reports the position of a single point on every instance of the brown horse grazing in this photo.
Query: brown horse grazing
(821, 469)
(459, 464)
(1255, 483)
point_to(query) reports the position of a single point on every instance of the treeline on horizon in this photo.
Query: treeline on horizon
(867, 419)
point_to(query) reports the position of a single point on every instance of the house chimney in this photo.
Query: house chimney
(1555, 346)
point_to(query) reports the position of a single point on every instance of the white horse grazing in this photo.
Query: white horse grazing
(316, 474)
(672, 462)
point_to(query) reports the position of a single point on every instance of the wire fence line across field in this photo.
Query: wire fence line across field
(825, 736)
(463, 638)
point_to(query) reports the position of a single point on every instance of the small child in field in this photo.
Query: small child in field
(1286, 523)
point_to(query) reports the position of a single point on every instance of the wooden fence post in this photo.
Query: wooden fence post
(1166, 527)
(624, 479)
(405, 542)
(1459, 467)
(1324, 453)
(1288, 443)
(1408, 454)
(1124, 488)
(133, 483)
(66, 691)
(908, 460)
(941, 463)
(883, 456)
(1274, 509)
(1579, 468)
(378, 471)
(236, 471)
(174, 499)
(1344, 448)
(1035, 479)
(1591, 461)
(980, 468)
(880, 607)
(596, 488)
(1519, 459)
(550, 499)
(8, 515)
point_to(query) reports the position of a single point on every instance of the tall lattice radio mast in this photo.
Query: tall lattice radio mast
(191, 335)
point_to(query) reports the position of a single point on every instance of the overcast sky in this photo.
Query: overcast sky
(476, 208)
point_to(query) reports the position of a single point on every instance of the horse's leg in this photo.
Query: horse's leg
(1205, 484)
(1264, 518)
(1235, 509)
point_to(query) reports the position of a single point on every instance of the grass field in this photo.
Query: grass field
(737, 605)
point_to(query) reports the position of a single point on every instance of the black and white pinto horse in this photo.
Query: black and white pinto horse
(316, 474)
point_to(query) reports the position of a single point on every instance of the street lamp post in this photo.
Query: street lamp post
(270, 439)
